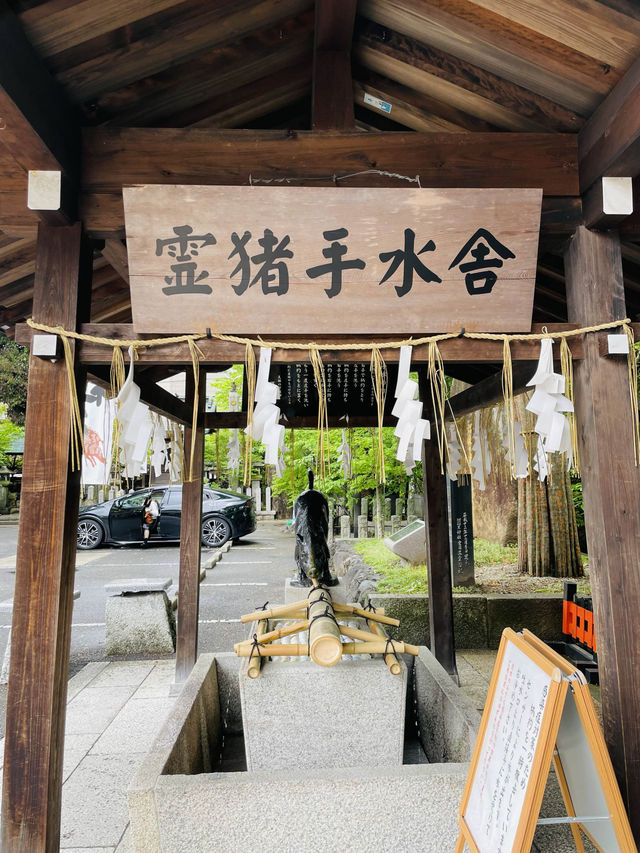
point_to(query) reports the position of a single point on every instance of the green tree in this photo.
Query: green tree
(14, 369)
(8, 432)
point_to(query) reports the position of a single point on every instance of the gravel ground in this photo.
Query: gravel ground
(505, 578)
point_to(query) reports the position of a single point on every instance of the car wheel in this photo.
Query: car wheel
(90, 534)
(215, 532)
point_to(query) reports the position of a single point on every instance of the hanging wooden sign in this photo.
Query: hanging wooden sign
(539, 708)
(298, 260)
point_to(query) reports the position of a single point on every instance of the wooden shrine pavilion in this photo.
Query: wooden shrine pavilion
(98, 95)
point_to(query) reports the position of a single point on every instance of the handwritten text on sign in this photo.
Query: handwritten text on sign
(330, 260)
(501, 778)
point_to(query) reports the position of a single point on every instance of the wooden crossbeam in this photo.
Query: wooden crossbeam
(228, 352)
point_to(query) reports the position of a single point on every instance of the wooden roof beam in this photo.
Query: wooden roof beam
(609, 143)
(39, 127)
(332, 98)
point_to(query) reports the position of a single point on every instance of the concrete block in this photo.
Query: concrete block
(542, 615)
(448, 721)
(409, 543)
(289, 711)
(402, 809)
(345, 527)
(470, 621)
(300, 593)
(141, 623)
(413, 613)
(134, 585)
(363, 527)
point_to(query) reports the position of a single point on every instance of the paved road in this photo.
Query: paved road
(252, 572)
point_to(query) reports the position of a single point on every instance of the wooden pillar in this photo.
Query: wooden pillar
(611, 487)
(190, 538)
(45, 563)
(436, 523)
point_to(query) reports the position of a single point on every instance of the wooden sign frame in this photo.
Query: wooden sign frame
(326, 260)
(570, 734)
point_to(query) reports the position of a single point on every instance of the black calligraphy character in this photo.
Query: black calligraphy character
(479, 270)
(244, 262)
(411, 263)
(183, 247)
(334, 253)
(273, 251)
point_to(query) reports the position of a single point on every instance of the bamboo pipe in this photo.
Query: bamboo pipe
(391, 661)
(325, 645)
(276, 634)
(365, 614)
(283, 611)
(276, 650)
(378, 648)
(255, 661)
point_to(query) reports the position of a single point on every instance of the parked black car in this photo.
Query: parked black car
(225, 515)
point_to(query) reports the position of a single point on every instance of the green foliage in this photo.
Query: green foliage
(14, 369)
(576, 489)
(487, 553)
(302, 446)
(9, 431)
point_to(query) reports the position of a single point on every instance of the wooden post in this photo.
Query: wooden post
(190, 538)
(45, 564)
(611, 485)
(436, 523)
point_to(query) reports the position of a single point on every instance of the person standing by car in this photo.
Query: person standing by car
(150, 513)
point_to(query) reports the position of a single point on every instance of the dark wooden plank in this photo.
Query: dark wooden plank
(173, 40)
(407, 104)
(45, 565)
(609, 143)
(611, 484)
(436, 520)
(228, 352)
(332, 99)
(487, 392)
(234, 107)
(40, 128)
(155, 99)
(332, 95)
(504, 48)
(114, 157)
(190, 535)
(464, 85)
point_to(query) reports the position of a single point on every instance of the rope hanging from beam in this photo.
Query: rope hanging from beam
(378, 367)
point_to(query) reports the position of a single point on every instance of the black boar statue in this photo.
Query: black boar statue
(311, 513)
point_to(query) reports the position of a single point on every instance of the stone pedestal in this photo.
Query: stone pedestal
(363, 527)
(297, 714)
(396, 521)
(139, 617)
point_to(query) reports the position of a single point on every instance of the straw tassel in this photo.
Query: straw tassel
(566, 366)
(379, 378)
(632, 362)
(77, 438)
(250, 372)
(507, 392)
(323, 417)
(438, 398)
